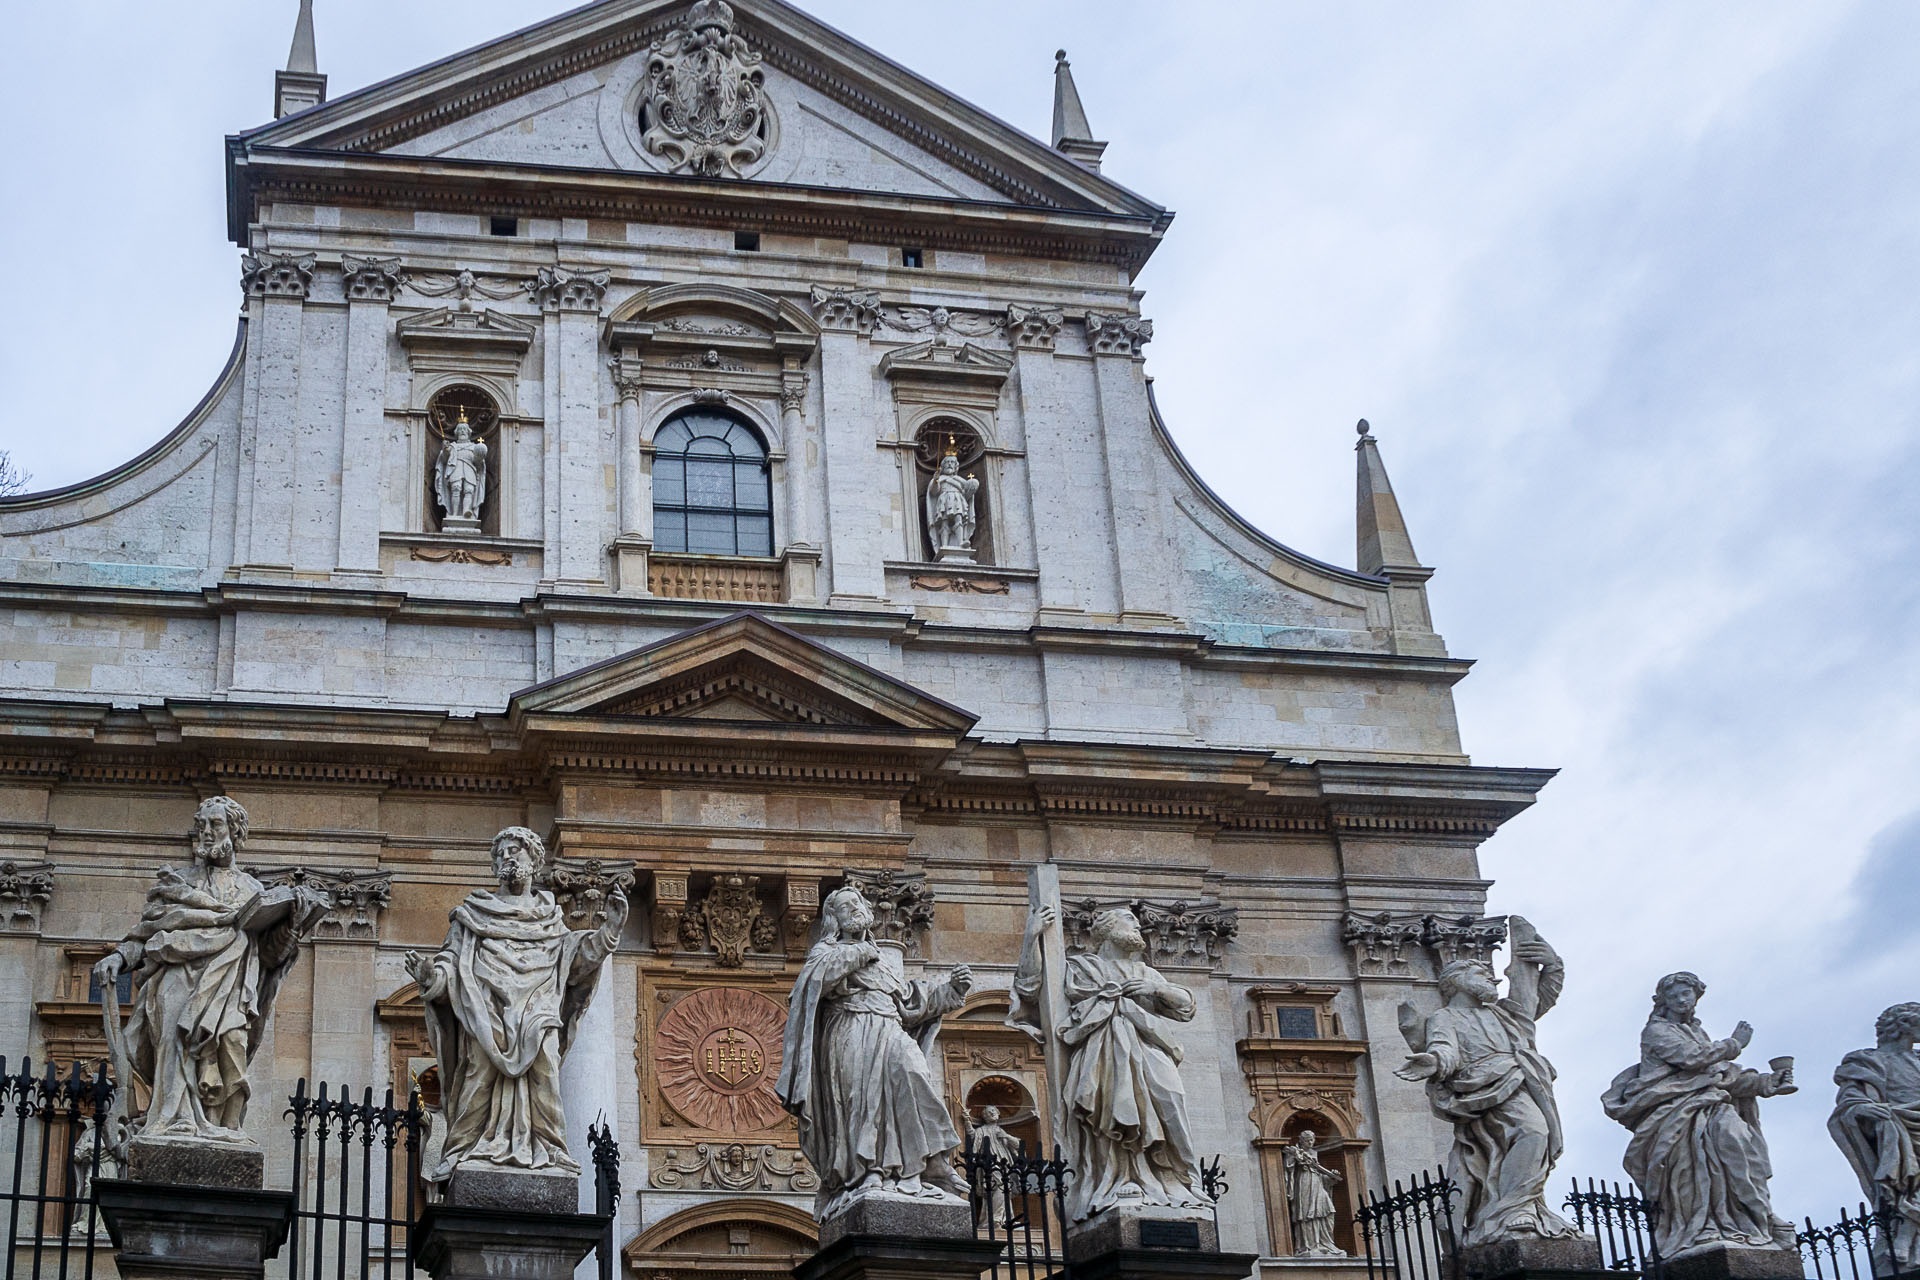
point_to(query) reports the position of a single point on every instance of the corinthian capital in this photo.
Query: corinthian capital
(270, 275)
(845, 308)
(1033, 328)
(558, 289)
(793, 390)
(372, 279)
(1117, 335)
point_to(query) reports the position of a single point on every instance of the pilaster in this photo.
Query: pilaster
(370, 285)
(846, 318)
(575, 535)
(278, 286)
(1072, 527)
(806, 492)
(1145, 559)
(635, 471)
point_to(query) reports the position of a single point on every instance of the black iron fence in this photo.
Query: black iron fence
(1620, 1222)
(1020, 1203)
(57, 1144)
(1408, 1234)
(329, 1228)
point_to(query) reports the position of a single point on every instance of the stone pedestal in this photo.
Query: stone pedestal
(167, 1232)
(507, 1224)
(1151, 1242)
(1312, 1269)
(1731, 1262)
(1573, 1257)
(192, 1162)
(896, 1237)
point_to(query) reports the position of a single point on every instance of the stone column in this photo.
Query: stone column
(853, 485)
(1133, 467)
(805, 498)
(268, 435)
(370, 284)
(576, 486)
(635, 469)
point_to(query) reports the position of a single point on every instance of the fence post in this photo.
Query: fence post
(193, 1207)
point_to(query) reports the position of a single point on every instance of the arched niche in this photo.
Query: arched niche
(733, 1239)
(984, 1060)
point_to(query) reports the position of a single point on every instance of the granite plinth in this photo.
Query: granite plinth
(1153, 1242)
(204, 1233)
(521, 1190)
(897, 1216)
(1531, 1255)
(464, 1243)
(879, 1257)
(196, 1162)
(1735, 1262)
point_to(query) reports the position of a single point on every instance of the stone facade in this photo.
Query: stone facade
(1258, 749)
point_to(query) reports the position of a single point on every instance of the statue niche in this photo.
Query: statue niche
(949, 458)
(463, 464)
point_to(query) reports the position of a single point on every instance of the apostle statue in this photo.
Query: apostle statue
(1876, 1121)
(460, 477)
(1697, 1150)
(208, 957)
(950, 509)
(1122, 1107)
(987, 1138)
(1487, 1077)
(857, 1071)
(502, 997)
(1310, 1199)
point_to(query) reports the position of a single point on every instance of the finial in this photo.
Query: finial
(1072, 135)
(1059, 56)
(301, 85)
(1381, 530)
(1362, 429)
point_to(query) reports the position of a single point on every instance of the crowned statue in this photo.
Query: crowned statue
(857, 1070)
(460, 479)
(502, 997)
(950, 510)
(207, 958)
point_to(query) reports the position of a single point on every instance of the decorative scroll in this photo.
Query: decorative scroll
(462, 555)
(732, 1166)
(963, 586)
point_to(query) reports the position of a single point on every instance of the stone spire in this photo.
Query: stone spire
(301, 85)
(1382, 532)
(1072, 135)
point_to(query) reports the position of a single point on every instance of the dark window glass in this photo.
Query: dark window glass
(1297, 1024)
(505, 226)
(123, 987)
(747, 241)
(912, 258)
(712, 493)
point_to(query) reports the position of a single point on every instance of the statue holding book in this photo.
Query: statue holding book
(208, 956)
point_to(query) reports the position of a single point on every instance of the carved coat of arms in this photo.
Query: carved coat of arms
(704, 106)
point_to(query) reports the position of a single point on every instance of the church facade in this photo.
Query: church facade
(682, 431)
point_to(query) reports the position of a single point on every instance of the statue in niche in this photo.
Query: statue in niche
(950, 510)
(1123, 1107)
(1310, 1199)
(987, 1137)
(502, 996)
(460, 479)
(208, 955)
(1876, 1122)
(1697, 1149)
(92, 1158)
(856, 1070)
(1488, 1078)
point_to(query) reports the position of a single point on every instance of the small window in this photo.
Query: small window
(712, 491)
(912, 258)
(747, 241)
(506, 226)
(122, 986)
(1296, 1023)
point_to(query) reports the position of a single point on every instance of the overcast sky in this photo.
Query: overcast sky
(1630, 292)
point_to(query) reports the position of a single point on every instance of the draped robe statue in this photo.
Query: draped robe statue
(1125, 1132)
(856, 1070)
(502, 997)
(950, 509)
(1486, 1076)
(208, 956)
(1876, 1122)
(460, 475)
(1310, 1200)
(1697, 1149)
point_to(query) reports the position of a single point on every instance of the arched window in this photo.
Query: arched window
(712, 494)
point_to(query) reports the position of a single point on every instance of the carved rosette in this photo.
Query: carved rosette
(25, 890)
(371, 279)
(902, 905)
(857, 309)
(355, 899)
(1385, 942)
(1033, 328)
(582, 886)
(706, 109)
(716, 1055)
(1118, 335)
(731, 1166)
(1177, 933)
(269, 275)
(558, 289)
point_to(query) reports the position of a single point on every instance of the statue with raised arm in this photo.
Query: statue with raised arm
(857, 1070)
(950, 509)
(502, 997)
(1487, 1077)
(1122, 1111)
(1876, 1122)
(1310, 1199)
(208, 957)
(460, 477)
(1697, 1150)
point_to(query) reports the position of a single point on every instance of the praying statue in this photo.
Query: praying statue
(208, 957)
(1487, 1077)
(460, 477)
(1876, 1122)
(1122, 1108)
(1697, 1149)
(1310, 1199)
(858, 1070)
(950, 507)
(502, 996)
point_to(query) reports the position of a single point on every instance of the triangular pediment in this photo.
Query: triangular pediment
(584, 90)
(743, 670)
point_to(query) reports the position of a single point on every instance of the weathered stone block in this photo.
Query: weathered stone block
(521, 1190)
(190, 1162)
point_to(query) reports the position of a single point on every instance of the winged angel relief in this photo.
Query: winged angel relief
(706, 109)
